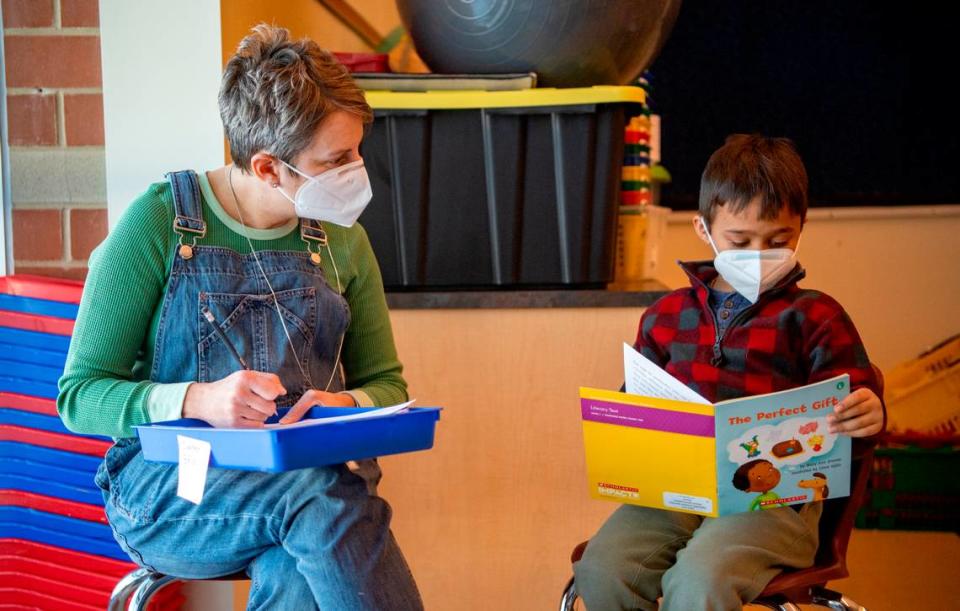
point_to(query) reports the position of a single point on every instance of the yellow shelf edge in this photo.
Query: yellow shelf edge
(476, 99)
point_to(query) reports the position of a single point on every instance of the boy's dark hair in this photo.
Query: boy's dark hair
(751, 165)
(741, 478)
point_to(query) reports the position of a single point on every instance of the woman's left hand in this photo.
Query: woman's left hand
(860, 414)
(317, 397)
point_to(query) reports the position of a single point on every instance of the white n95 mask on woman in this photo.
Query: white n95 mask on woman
(338, 195)
(752, 272)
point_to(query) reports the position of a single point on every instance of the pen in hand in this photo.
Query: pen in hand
(223, 336)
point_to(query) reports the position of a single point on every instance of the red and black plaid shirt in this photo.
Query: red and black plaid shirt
(789, 338)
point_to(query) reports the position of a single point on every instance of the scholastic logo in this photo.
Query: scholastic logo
(624, 492)
(788, 499)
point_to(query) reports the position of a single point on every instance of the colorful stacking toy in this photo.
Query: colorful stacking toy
(636, 187)
(56, 549)
(641, 223)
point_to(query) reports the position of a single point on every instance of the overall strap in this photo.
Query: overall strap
(188, 209)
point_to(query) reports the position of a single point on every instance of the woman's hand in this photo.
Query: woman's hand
(858, 415)
(317, 397)
(243, 399)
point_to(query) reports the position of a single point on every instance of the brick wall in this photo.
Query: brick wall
(55, 118)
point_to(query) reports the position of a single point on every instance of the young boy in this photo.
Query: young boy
(742, 328)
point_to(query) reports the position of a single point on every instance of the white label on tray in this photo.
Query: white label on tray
(194, 458)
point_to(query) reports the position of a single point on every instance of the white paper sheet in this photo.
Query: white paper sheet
(360, 415)
(645, 378)
(194, 459)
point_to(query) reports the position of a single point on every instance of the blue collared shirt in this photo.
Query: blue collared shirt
(726, 306)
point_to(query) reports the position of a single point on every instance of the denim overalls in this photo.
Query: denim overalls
(308, 538)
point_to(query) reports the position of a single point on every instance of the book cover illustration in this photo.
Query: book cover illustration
(660, 444)
(775, 450)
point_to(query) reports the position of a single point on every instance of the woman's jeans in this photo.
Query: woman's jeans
(308, 538)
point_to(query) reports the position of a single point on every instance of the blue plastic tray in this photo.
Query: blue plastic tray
(22, 370)
(35, 339)
(45, 390)
(55, 522)
(285, 449)
(38, 421)
(92, 496)
(32, 305)
(13, 528)
(48, 456)
(31, 420)
(41, 472)
(33, 356)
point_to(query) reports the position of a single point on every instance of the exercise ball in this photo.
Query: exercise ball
(568, 43)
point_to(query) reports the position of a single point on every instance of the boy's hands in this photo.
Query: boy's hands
(317, 397)
(859, 415)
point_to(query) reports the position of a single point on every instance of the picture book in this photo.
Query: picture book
(660, 444)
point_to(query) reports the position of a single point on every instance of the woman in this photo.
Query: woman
(302, 321)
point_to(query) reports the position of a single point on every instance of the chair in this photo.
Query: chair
(802, 586)
(809, 586)
(141, 585)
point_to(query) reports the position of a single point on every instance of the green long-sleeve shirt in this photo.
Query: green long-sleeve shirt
(104, 389)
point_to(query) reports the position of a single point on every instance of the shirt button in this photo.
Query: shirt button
(725, 314)
(728, 303)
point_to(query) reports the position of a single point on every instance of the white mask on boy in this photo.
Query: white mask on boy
(752, 272)
(338, 195)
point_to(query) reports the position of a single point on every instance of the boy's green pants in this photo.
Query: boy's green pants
(694, 563)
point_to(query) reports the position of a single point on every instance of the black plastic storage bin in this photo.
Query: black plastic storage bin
(504, 189)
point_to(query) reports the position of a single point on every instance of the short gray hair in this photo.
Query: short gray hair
(275, 92)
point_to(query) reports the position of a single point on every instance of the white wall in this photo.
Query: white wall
(161, 72)
(896, 270)
(6, 200)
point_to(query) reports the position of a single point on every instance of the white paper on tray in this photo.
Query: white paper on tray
(194, 459)
(360, 415)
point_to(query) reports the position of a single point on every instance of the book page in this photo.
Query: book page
(645, 378)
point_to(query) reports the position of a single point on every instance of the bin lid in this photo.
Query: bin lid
(544, 96)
